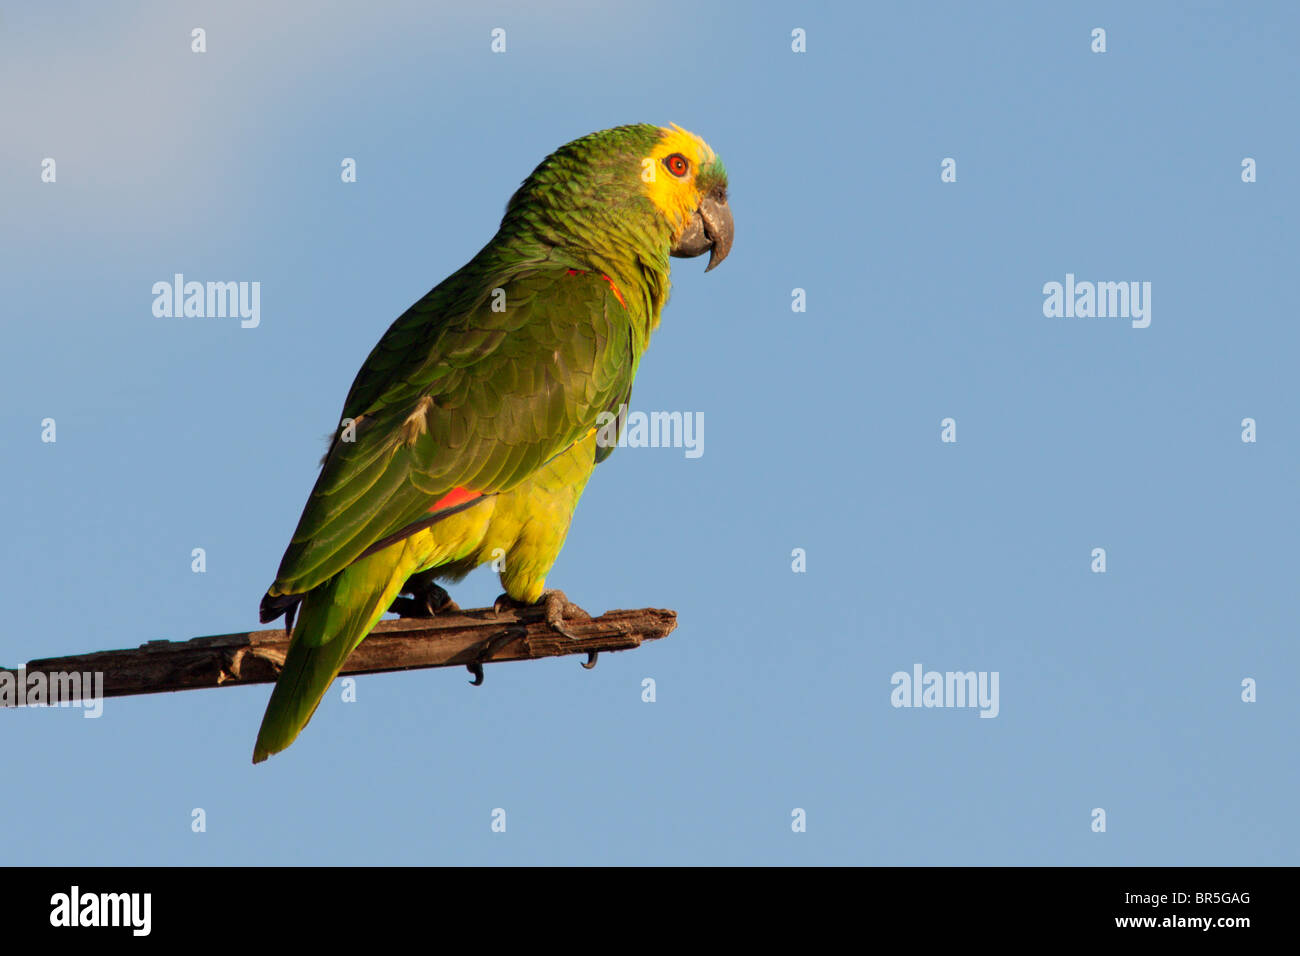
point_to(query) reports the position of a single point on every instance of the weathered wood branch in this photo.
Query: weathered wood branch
(465, 638)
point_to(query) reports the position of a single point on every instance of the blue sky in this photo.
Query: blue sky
(1119, 691)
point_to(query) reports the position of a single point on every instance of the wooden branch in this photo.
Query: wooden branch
(466, 638)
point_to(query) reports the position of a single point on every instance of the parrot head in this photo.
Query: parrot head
(688, 185)
(659, 190)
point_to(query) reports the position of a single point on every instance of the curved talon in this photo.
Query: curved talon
(477, 670)
(590, 662)
(444, 605)
(557, 606)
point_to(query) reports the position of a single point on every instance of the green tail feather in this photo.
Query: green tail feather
(333, 619)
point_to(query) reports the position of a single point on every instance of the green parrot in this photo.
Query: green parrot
(472, 428)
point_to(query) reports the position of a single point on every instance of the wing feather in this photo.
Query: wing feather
(473, 398)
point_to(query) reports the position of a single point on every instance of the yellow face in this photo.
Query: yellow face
(677, 174)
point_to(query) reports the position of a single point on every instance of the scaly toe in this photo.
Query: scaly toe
(558, 607)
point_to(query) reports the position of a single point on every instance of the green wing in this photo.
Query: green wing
(471, 391)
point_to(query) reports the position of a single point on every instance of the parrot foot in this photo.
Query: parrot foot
(427, 599)
(557, 608)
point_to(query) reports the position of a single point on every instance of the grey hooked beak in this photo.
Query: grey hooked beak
(710, 227)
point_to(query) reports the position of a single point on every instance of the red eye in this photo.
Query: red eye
(677, 164)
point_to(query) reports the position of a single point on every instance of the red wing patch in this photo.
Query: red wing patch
(613, 288)
(457, 496)
(453, 502)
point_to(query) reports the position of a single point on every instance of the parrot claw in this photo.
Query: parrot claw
(557, 608)
(490, 647)
(427, 600)
(590, 662)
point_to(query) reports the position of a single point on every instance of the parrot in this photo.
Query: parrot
(471, 430)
